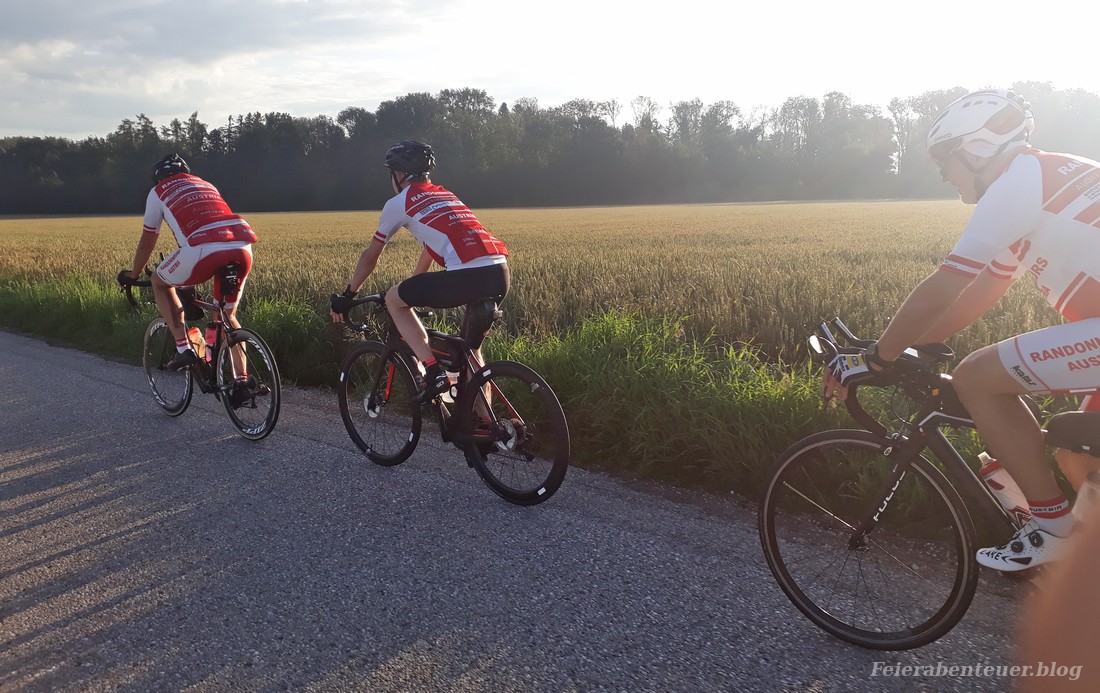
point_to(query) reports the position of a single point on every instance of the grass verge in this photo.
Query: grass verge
(644, 398)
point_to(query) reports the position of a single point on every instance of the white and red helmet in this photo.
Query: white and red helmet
(984, 122)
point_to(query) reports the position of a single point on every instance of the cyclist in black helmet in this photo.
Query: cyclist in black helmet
(209, 236)
(475, 262)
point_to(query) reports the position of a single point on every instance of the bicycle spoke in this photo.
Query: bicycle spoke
(519, 436)
(172, 390)
(249, 385)
(906, 582)
(377, 399)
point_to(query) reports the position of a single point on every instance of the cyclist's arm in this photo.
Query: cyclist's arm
(368, 260)
(923, 310)
(145, 248)
(150, 232)
(982, 294)
(424, 263)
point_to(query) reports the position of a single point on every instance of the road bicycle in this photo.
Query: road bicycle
(235, 364)
(502, 415)
(865, 534)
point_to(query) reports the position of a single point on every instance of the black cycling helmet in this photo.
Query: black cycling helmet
(169, 166)
(412, 157)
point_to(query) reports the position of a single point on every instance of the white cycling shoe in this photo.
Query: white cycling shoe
(1029, 547)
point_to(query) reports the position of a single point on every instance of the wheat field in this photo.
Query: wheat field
(737, 273)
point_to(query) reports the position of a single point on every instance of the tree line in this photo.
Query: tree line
(520, 154)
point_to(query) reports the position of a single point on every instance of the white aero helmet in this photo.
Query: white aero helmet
(984, 122)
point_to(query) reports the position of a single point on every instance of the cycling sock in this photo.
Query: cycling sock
(429, 363)
(1053, 515)
(243, 377)
(183, 345)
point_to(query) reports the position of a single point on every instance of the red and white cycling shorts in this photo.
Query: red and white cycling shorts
(191, 265)
(1062, 359)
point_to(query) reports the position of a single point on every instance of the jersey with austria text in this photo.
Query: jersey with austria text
(1040, 217)
(448, 229)
(195, 211)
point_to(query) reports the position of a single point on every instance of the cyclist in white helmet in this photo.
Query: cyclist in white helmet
(1036, 214)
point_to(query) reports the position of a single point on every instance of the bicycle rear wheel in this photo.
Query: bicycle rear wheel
(377, 398)
(249, 389)
(515, 432)
(903, 584)
(171, 389)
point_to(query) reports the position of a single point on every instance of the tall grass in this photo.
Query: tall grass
(643, 397)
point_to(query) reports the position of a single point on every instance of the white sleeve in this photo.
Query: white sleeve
(154, 213)
(392, 219)
(1007, 212)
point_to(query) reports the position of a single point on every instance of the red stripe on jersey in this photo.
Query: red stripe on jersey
(1090, 214)
(1059, 174)
(1001, 270)
(1080, 300)
(1072, 189)
(422, 200)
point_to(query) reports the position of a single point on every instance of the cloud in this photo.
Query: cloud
(79, 68)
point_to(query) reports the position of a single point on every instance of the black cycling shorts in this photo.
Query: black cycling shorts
(453, 288)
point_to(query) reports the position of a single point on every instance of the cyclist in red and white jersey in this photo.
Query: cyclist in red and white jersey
(475, 262)
(1036, 214)
(209, 236)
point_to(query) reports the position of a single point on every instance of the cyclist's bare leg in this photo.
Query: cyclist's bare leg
(1010, 431)
(408, 325)
(240, 365)
(1075, 466)
(169, 306)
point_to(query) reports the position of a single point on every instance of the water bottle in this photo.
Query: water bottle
(1088, 497)
(195, 337)
(452, 378)
(1004, 487)
(211, 338)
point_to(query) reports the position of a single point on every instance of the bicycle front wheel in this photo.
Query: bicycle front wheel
(515, 433)
(171, 389)
(248, 383)
(377, 398)
(901, 585)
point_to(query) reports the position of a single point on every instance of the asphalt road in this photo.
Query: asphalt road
(144, 553)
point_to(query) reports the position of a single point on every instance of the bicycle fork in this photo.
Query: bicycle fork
(902, 451)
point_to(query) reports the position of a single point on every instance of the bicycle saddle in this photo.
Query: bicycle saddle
(1078, 431)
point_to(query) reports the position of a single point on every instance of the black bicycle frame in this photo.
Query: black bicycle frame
(903, 451)
(969, 485)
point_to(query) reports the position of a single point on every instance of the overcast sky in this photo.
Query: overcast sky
(74, 68)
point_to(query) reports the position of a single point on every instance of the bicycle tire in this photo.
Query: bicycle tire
(378, 403)
(253, 404)
(172, 390)
(522, 451)
(922, 547)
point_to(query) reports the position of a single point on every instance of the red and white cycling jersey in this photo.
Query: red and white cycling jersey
(195, 211)
(1040, 217)
(447, 228)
